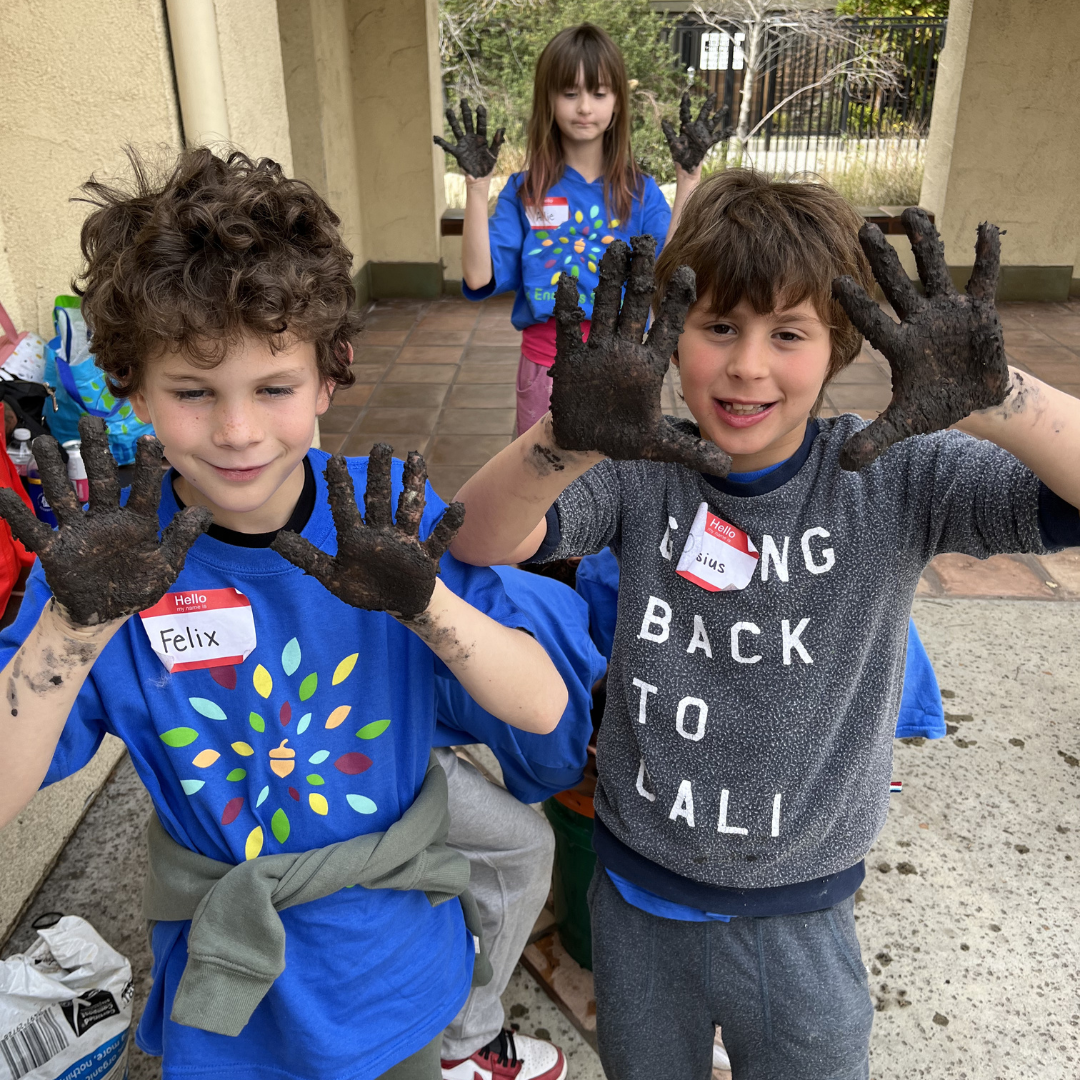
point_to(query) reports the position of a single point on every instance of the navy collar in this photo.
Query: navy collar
(772, 480)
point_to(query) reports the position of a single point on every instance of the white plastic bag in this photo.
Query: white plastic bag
(65, 1007)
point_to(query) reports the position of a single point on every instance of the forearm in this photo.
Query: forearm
(685, 183)
(505, 671)
(1040, 425)
(40, 684)
(506, 501)
(475, 241)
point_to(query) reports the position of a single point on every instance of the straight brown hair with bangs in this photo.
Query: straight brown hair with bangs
(775, 244)
(586, 49)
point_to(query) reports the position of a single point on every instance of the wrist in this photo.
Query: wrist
(63, 621)
(581, 460)
(477, 186)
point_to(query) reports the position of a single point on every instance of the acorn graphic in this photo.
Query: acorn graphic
(281, 759)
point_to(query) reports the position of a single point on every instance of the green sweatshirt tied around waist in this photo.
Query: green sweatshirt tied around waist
(236, 944)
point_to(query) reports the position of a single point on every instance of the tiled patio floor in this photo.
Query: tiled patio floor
(438, 377)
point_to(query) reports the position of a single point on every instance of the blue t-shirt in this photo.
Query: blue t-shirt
(535, 766)
(527, 256)
(371, 976)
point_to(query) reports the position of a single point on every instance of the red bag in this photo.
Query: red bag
(13, 556)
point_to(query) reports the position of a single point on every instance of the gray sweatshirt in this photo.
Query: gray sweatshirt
(747, 740)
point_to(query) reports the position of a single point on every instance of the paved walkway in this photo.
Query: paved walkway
(438, 377)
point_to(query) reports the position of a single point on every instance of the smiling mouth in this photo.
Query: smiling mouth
(736, 408)
(238, 473)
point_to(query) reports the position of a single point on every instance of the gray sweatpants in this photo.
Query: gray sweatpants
(789, 991)
(509, 847)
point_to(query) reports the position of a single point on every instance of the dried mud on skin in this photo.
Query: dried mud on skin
(947, 354)
(606, 393)
(105, 563)
(472, 152)
(380, 564)
(696, 137)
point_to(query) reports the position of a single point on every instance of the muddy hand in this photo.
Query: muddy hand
(947, 353)
(107, 562)
(696, 137)
(473, 154)
(380, 564)
(606, 394)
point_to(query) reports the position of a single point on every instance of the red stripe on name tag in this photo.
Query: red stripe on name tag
(197, 600)
(722, 530)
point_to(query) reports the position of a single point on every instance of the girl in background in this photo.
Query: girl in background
(580, 190)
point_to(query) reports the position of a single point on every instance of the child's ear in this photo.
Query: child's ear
(675, 356)
(137, 401)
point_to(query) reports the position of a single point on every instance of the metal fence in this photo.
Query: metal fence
(875, 108)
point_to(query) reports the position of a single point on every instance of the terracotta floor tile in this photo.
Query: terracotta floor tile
(861, 375)
(419, 373)
(370, 373)
(429, 354)
(496, 335)
(1032, 356)
(375, 354)
(1070, 388)
(408, 395)
(1064, 568)
(859, 396)
(439, 336)
(491, 354)
(357, 394)
(1027, 336)
(359, 444)
(388, 322)
(448, 320)
(466, 449)
(502, 371)
(482, 396)
(1002, 575)
(403, 420)
(1067, 336)
(331, 442)
(447, 480)
(383, 337)
(1055, 374)
(925, 588)
(339, 418)
(476, 422)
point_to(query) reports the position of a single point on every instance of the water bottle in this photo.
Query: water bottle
(37, 494)
(76, 469)
(22, 455)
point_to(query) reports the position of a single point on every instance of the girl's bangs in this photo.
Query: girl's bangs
(587, 57)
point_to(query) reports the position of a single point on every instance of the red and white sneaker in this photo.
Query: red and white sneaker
(510, 1056)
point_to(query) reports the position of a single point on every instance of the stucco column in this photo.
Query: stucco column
(1003, 141)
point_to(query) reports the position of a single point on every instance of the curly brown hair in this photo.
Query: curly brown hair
(216, 249)
(773, 243)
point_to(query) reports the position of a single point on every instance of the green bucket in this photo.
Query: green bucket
(575, 861)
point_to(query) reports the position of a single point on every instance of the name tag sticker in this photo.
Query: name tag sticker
(717, 556)
(554, 212)
(205, 628)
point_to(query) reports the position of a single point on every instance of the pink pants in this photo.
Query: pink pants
(533, 393)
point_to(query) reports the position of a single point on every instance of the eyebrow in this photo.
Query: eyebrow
(272, 376)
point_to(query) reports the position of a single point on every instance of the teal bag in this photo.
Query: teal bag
(81, 387)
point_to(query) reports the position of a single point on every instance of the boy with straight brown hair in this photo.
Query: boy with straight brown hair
(768, 562)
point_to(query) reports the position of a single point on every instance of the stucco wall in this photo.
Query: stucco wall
(397, 101)
(79, 82)
(1006, 110)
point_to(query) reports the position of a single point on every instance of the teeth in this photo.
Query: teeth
(743, 410)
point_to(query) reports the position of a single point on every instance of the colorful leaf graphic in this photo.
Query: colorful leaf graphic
(205, 758)
(224, 676)
(257, 722)
(262, 796)
(337, 717)
(316, 779)
(294, 794)
(344, 669)
(237, 774)
(262, 681)
(303, 725)
(353, 764)
(191, 786)
(205, 707)
(179, 736)
(318, 803)
(319, 757)
(243, 749)
(290, 657)
(285, 715)
(232, 810)
(279, 825)
(254, 842)
(307, 687)
(373, 730)
(361, 804)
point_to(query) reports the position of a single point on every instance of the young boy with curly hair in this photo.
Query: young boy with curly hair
(271, 658)
(768, 561)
